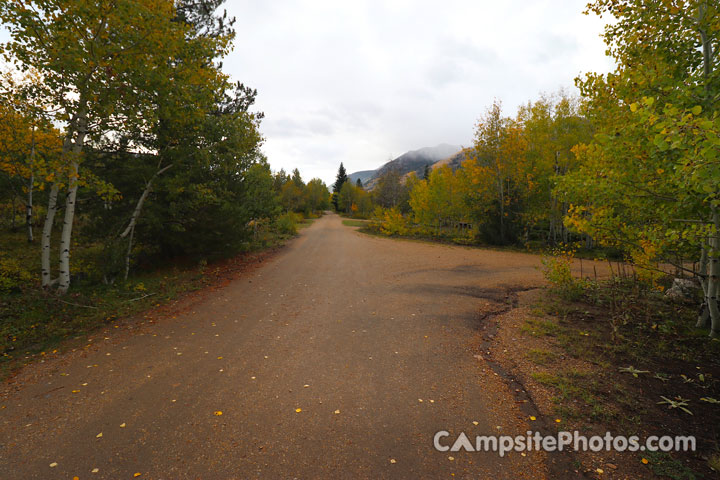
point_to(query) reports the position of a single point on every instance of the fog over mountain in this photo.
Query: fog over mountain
(412, 161)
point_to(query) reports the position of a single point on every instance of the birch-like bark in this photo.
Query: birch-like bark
(714, 277)
(704, 315)
(70, 200)
(130, 230)
(29, 203)
(46, 234)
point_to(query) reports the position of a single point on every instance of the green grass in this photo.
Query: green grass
(577, 396)
(541, 357)
(354, 223)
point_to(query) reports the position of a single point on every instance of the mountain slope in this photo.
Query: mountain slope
(412, 161)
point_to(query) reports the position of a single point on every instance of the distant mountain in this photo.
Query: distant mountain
(412, 161)
(454, 161)
(364, 176)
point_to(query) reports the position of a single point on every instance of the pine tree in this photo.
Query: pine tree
(426, 172)
(358, 183)
(339, 181)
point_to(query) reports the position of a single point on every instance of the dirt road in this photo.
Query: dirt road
(338, 358)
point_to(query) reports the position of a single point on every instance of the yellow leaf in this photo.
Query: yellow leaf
(633, 107)
(696, 110)
(392, 460)
(298, 410)
(122, 425)
(532, 418)
(137, 474)
(645, 461)
(218, 413)
(99, 435)
(53, 465)
(337, 411)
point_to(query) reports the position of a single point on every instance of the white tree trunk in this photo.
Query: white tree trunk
(47, 233)
(713, 285)
(704, 315)
(130, 230)
(66, 236)
(29, 203)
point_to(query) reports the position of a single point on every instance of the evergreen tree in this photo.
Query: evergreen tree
(426, 172)
(358, 183)
(339, 181)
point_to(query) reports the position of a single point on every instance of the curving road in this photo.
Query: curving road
(340, 357)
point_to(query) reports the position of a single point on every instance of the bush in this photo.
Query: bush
(393, 223)
(13, 277)
(557, 270)
(286, 223)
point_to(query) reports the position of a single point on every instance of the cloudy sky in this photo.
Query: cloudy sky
(363, 81)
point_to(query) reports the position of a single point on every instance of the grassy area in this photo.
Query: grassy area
(354, 223)
(616, 354)
(33, 321)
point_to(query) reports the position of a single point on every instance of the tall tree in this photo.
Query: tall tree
(649, 182)
(102, 64)
(340, 179)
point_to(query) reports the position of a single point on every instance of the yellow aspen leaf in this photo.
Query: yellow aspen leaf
(218, 413)
(298, 410)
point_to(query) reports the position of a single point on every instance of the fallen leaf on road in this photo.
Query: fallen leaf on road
(76, 391)
(600, 470)
(99, 435)
(122, 425)
(337, 411)
(95, 470)
(451, 458)
(306, 386)
(53, 465)
(219, 358)
(392, 460)
(298, 410)
(475, 423)
(137, 474)
(532, 418)
(645, 461)
(218, 413)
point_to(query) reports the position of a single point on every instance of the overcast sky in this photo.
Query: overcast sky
(362, 81)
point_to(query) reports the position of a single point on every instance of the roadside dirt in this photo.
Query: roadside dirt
(339, 357)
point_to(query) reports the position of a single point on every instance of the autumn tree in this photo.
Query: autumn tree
(649, 179)
(102, 64)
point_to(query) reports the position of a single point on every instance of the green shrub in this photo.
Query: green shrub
(286, 223)
(557, 270)
(13, 277)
